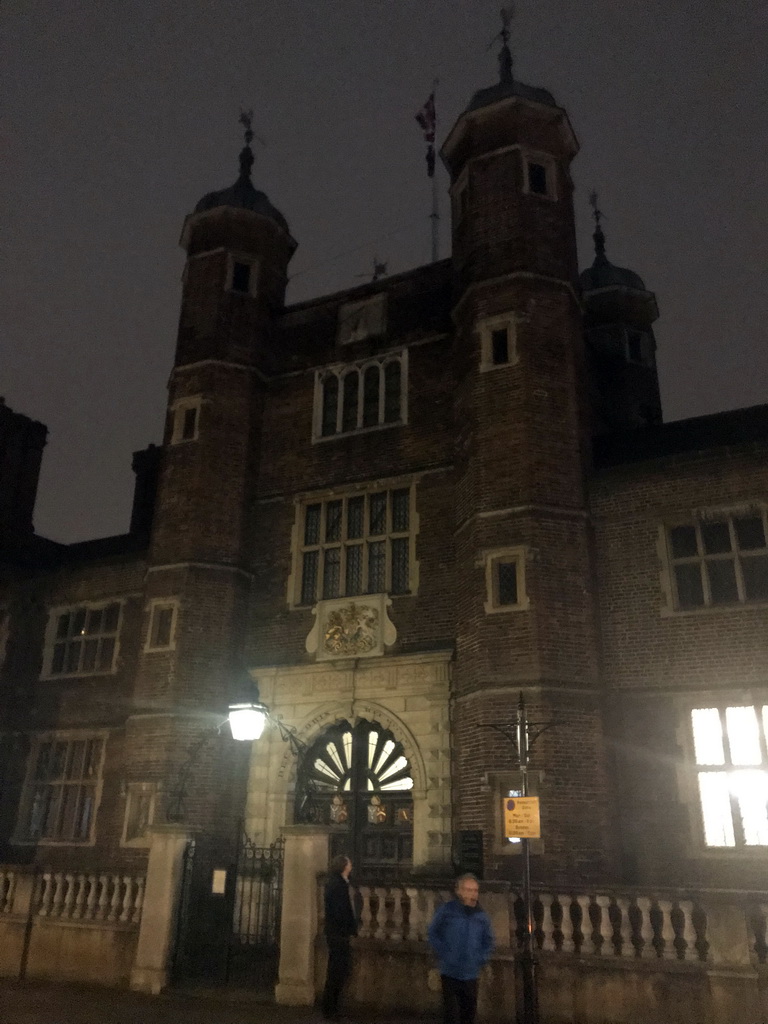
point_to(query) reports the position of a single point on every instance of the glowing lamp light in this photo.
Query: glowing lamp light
(247, 720)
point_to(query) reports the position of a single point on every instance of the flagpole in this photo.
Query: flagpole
(435, 215)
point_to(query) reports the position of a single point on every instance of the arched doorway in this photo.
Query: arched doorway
(357, 779)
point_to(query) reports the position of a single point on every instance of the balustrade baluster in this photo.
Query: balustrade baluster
(46, 895)
(395, 917)
(622, 931)
(59, 893)
(138, 902)
(567, 926)
(78, 911)
(547, 922)
(646, 936)
(8, 891)
(366, 913)
(602, 934)
(90, 905)
(101, 910)
(114, 903)
(666, 936)
(125, 914)
(585, 925)
(688, 932)
(415, 919)
(69, 895)
(381, 911)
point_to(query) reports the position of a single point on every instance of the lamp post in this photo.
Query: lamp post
(523, 739)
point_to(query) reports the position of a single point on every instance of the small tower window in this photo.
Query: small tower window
(540, 177)
(498, 341)
(241, 277)
(537, 179)
(189, 424)
(186, 420)
(499, 346)
(635, 347)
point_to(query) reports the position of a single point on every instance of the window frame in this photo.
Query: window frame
(134, 790)
(179, 410)
(51, 638)
(155, 605)
(253, 277)
(550, 170)
(516, 555)
(344, 543)
(690, 790)
(696, 520)
(22, 835)
(341, 372)
(486, 329)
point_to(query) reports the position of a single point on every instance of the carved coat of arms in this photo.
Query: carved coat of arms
(351, 630)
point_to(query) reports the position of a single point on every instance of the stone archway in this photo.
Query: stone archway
(357, 780)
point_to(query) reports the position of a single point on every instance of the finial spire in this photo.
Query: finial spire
(598, 235)
(246, 153)
(505, 56)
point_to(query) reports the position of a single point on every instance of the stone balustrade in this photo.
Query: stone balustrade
(77, 896)
(626, 924)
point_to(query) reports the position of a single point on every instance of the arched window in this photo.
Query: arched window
(371, 396)
(330, 405)
(349, 411)
(392, 392)
(358, 780)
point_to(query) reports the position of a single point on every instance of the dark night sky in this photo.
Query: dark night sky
(116, 117)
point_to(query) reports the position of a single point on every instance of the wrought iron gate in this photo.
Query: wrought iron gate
(228, 925)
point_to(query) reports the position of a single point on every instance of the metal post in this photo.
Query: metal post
(527, 959)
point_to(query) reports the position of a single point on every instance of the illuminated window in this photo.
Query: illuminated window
(82, 640)
(721, 560)
(61, 793)
(356, 544)
(361, 396)
(732, 774)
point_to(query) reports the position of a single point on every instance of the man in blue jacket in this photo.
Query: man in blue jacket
(461, 936)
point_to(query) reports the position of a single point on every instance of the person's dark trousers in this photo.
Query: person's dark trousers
(339, 967)
(459, 1000)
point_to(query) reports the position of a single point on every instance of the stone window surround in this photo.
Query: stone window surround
(459, 192)
(341, 370)
(132, 791)
(489, 560)
(178, 411)
(253, 279)
(50, 638)
(293, 588)
(686, 775)
(155, 605)
(550, 167)
(485, 329)
(693, 517)
(20, 836)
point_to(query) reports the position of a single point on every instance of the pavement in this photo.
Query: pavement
(44, 1003)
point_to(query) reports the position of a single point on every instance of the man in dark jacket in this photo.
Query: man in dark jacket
(461, 935)
(340, 926)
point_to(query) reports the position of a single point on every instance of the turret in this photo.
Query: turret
(619, 312)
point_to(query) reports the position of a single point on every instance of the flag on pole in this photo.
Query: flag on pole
(427, 121)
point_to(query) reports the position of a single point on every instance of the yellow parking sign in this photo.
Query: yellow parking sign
(521, 817)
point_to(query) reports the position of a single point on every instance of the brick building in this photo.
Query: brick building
(398, 507)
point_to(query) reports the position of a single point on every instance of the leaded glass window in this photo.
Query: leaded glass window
(720, 561)
(359, 544)
(362, 396)
(84, 640)
(60, 797)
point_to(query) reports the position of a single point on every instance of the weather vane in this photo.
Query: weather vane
(379, 270)
(246, 120)
(598, 236)
(505, 57)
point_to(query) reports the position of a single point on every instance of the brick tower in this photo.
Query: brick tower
(199, 580)
(525, 606)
